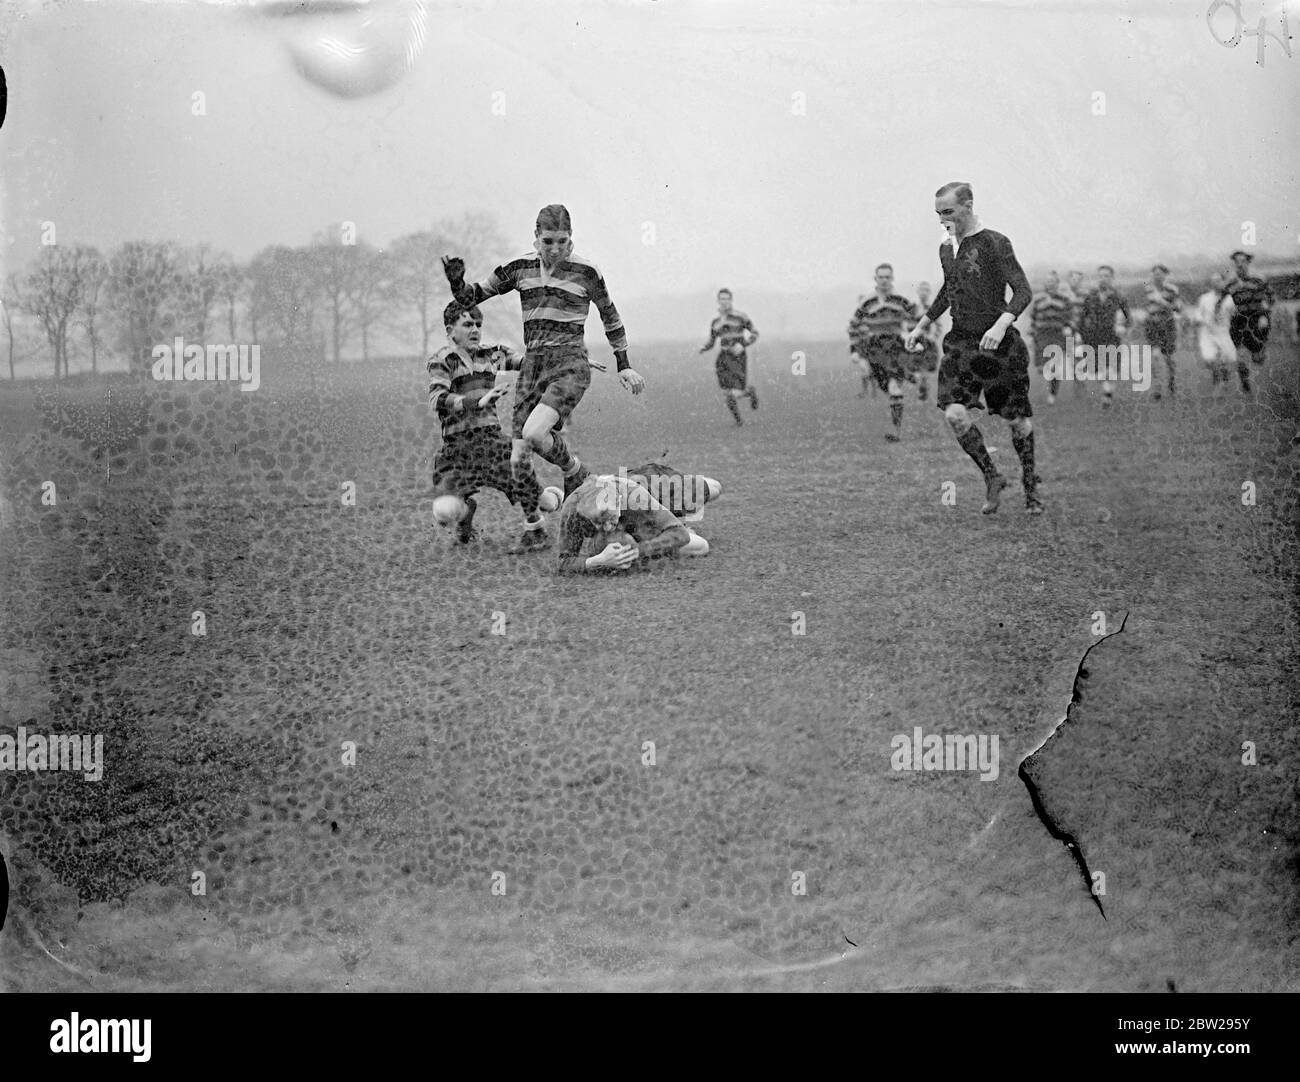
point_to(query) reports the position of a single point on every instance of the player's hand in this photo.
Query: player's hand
(491, 398)
(614, 557)
(737, 349)
(912, 343)
(992, 338)
(454, 268)
(632, 380)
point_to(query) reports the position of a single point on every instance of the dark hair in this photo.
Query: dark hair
(960, 187)
(1160, 267)
(455, 310)
(725, 290)
(884, 266)
(555, 217)
(1106, 266)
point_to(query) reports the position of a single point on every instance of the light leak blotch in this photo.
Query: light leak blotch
(350, 48)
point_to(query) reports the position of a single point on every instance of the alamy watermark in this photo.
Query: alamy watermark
(75, 752)
(674, 491)
(949, 752)
(1110, 364)
(211, 363)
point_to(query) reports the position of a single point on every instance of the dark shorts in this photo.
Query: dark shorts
(732, 371)
(555, 376)
(888, 359)
(1162, 335)
(1246, 335)
(681, 493)
(481, 459)
(1002, 376)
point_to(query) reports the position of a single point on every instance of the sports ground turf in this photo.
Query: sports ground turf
(524, 753)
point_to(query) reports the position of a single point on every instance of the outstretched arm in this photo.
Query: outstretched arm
(472, 293)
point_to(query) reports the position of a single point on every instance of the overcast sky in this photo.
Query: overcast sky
(774, 144)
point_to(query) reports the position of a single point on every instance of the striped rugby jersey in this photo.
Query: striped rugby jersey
(1050, 314)
(1251, 295)
(730, 330)
(555, 303)
(878, 318)
(453, 374)
(1163, 303)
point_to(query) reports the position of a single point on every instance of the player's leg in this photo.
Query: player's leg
(959, 390)
(684, 494)
(744, 382)
(563, 391)
(453, 493)
(523, 490)
(894, 387)
(1007, 396)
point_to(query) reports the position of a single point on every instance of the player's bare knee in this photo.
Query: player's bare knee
(958, 419)
(1021, 426)
(895, 388)
(448, 510)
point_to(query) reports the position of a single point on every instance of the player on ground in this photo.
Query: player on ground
(876, 337)
(733, 332)
(927, 360)
(475, 452)
(649, 504)
(1050, 315)
(1164, 305)
(1099, 326)
(1213, 316)
(556, 291)
(983, 352)
(1253, 300)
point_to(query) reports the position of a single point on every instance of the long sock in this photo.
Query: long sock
(896, 410)
(1244, 373)
(1172, 373)
(972, 442)
(731, 405)
(534, 521)
(1024, 446)
(866, 384)
(558, 454)
(1053, 386)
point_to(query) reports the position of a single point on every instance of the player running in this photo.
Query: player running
(1099, 325)
(556, 291)
(734, 332)
(1253, 300)
(1164, 305)
(927, 360)
(876, 338)
(983, 352)
(1213, 316)
(475, 452)
(649, 504)
(1050, 314)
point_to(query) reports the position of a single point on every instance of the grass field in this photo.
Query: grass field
(522, 753)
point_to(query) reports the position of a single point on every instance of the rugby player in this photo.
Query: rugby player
(1253, 300)
(475, 452)
(983, 352)
(733, 331)
(1050, 314)
(651, 504)
(1213, 316)
(876, 338)
(1164, 305)
(556, 291)
(1099, 324)
(928, 359)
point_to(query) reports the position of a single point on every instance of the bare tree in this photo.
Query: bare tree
(51, 291)
(8, 311)
(232, 290)
(418, 277)
(93, 279)
(282, 295)
(201, 271)
(144, 290)
(370, 295)
(334, 266)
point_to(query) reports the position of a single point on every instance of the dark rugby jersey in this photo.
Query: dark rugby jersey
(729, 330)
(656, 530)
(1050, 315)
(1163, 304)
(555, 303)
(1097, 324)
(453, 374)
(1251, 295)
(878, 318)
(975, 280)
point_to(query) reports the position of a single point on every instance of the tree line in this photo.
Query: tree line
(322, 299)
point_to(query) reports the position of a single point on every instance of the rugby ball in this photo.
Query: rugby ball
(551, 498)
